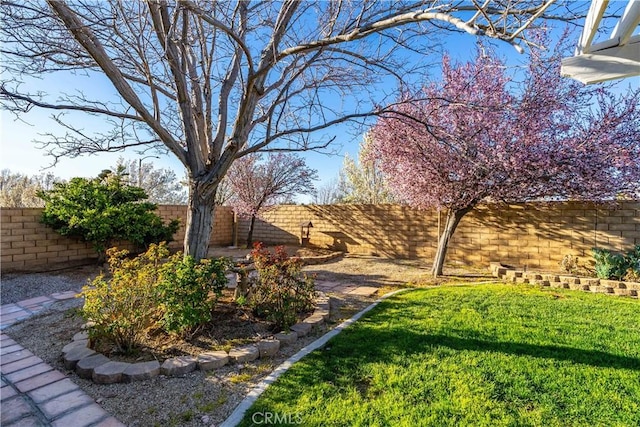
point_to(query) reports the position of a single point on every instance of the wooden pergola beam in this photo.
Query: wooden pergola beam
(615, 58)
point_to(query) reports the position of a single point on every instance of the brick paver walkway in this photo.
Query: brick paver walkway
(12, 313)
(344, 288)
(32, 392)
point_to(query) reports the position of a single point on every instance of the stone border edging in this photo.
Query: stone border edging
(236, 416)
(587, 284)
(89, 364)
(320, 259)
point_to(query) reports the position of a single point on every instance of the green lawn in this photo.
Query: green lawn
(486, 355)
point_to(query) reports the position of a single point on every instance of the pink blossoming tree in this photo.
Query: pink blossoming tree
(482, 135)
(257, 185)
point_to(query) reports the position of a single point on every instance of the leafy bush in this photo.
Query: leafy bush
(124, 308)
(151, 292)
(188, 291)
(610, 265)
(570, 264)
(102, 210)
(281, 290)
(633, 265)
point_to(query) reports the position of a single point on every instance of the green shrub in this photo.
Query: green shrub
(102, 210)
(610, 265)
(188, 291)
(281, 290)
(633, 265)
(150, 292)
(124, 308)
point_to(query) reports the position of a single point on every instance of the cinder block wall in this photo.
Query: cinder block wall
(28, 245)
(536, 235)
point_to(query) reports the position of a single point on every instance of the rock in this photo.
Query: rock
(268, 348)
(205, 419)
(141, 371)
(244, 354)
(323, 306)
(613, 283)
(110, 372)
(212, 360)
(552, 278)
(178, 366)
(81, 336)
(324, 313)
(88, 325)
(74, 344)
(301, 329)
(86, 366)
(314, 320)
(75, 355)
(286, 338)
(570, 279)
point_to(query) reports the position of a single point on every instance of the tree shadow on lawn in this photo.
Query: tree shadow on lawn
(391, 343)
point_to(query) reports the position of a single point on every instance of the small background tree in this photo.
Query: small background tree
(481, 134)
(328, 193)
(257, 185)
(363, 181)
(160, 185)
(102, 210)
(21, 191)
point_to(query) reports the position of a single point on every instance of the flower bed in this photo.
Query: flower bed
(90, 364)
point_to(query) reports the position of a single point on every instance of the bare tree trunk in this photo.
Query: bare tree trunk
(250, 235)
(453, 219)
(200, 216)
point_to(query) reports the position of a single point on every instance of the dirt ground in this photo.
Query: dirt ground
(203, 399)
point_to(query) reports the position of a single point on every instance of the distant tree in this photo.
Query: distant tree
(328, 194)
(161, 185)
(102, 210)
(482, 134)
(224, 193)
(20, 191)
(363, 181)
(258, 184)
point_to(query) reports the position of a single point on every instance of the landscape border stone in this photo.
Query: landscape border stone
(586, 284)
(245, 353)
(212, 360)
(268, 347)
(141, 371)
(86, 366)
(108, 372)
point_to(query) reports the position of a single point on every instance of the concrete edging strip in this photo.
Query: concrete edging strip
(238, 414)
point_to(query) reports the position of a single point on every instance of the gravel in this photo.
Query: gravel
(21, 286)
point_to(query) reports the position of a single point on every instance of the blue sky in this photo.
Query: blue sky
(20, 153)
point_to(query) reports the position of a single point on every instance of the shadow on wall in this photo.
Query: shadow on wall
(541, 234)
(266, 232)
(535, 235)
(379, 230)
(341, 241)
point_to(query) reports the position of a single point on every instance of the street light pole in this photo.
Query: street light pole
(140, 168)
